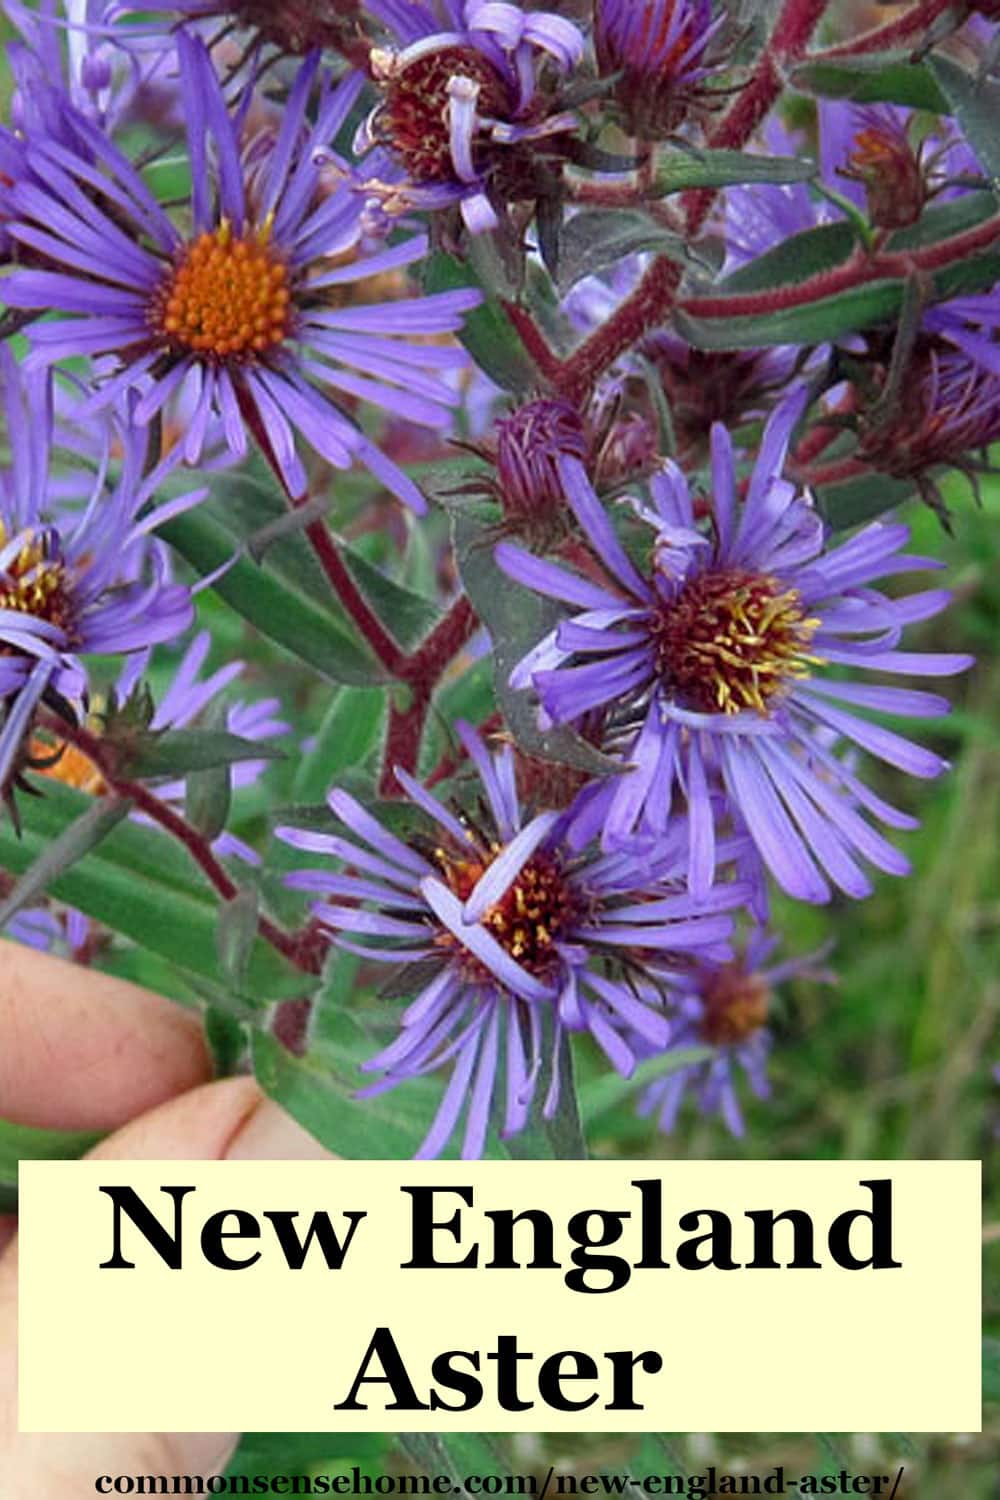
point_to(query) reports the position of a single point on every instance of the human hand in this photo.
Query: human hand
(82, 1051)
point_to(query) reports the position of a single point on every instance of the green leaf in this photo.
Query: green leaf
(273, 606)
(594, 240)
(318, 1090)
(678, 171)
(347, 737)
(208, 797)
(883, 77)
(182, 750)
(517, 619)
(27, 1143)
(991, 1370)
(141, 883)
(830, 318)
(488, 333)
(797, 259)
(975, 102)
(57, 858)
(247, 505)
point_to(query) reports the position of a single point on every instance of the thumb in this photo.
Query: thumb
(224, 1120)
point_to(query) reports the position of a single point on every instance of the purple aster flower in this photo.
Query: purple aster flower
(256, 309)
(660, 48)
(710, 657)
(462, 108)
(724, 1006)
(519, 931)
(78, 580)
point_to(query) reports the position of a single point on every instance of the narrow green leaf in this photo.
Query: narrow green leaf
(302, 627)
(57, 858)
(879, 78)
(182, 750)
(318, 1090)
(26, 1143)
(208, 797)
(488, 333)
(833, 317)
(975, 102)
(678, 171)
(347, 736)
(794, 260)
(247, 506)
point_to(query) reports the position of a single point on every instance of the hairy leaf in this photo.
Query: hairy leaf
(677, 171)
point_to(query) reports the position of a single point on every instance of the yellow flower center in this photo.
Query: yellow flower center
(227, 296)
(732, 641)
(36, 583)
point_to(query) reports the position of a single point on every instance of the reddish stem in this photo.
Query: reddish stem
(390, 655)
(787, 43)
(548, 364)
(653, 299)
(423, 672)
(304, 950)
(647, 306)
(883, 38)
(857, 272)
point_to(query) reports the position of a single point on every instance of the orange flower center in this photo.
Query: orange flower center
(67, 764)
(227, 297)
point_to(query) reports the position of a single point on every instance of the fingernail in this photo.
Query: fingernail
(270, 1134)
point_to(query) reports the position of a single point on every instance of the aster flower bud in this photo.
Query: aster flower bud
(659, 47)
(892, 173)
(528, 446)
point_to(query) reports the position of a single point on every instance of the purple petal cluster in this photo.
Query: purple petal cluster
(710, 660)
(660, 50)
(520, 940)
(255, 311)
